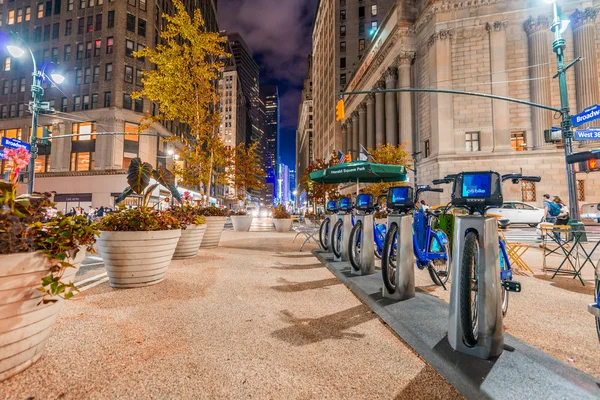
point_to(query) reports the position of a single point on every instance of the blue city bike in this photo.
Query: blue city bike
(332, 208)
(430, 246)
(595, 308)
(365, 203)
(337, 233)
(477, 192)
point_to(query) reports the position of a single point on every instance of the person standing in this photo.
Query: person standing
(551, 209)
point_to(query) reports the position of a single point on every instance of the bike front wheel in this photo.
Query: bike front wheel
(505, 293)
(336, 238)
(389, 260)
(469, 290)
(355, 244)
(324, 234)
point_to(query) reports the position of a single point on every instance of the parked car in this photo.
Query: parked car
(591, 211)
(519, 213)
(503, 222)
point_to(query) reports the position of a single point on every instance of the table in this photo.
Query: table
(571, 247)
(515, 251)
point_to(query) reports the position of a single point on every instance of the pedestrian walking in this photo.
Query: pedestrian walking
(563, 216)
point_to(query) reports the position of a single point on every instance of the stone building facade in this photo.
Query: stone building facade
(304, 135)
(488, 46)
(93, 42)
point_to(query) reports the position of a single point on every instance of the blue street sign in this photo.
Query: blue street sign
(587, 134)
(15, 144)
(588, 115)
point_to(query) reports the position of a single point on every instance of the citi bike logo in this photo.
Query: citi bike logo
(475, 191)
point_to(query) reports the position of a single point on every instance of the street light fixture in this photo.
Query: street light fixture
(49, 71)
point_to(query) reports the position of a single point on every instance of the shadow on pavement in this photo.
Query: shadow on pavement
(425, 385)
(304, 331)
(572, 285)
(299, 267)
(471, 368)
(300, 287)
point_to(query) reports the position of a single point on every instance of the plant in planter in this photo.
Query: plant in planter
(137, 244)
(241, 220)
(191, 236)
(33, 250)
(281, 219)
(215, 223)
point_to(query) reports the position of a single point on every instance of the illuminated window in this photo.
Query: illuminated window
(131, 131)
(11, 17)
(7, 64)
(472, 141)
(42, 163)
(361, 44)
(517, 141)
(85, 130)
(97, 47)
(12, 133)
(82, 161)
(40, 10)
(27, 13)
(109, 45)
(374, 10)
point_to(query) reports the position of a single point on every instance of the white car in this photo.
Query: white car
(591, 211)
(519, 213)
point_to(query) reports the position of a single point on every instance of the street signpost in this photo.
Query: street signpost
(14, 144)
(588, 115)
(587, 134)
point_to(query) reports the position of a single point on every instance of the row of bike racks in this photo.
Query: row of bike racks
(475, 324)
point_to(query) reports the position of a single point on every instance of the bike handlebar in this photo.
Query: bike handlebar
(519, 177)
(442, 181)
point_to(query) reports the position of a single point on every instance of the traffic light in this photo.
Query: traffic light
(339, 111)
(593, 165)
(585, 161)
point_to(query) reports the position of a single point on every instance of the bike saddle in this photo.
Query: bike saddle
(435, 213)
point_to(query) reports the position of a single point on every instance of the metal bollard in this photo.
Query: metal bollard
(405, 259)
(490, 341)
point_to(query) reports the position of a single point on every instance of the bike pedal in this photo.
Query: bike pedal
(512, 286)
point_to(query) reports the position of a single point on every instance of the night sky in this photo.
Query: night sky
(279, 34)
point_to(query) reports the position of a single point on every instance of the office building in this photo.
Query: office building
(304, 131)
(270, 97)
(93, 42)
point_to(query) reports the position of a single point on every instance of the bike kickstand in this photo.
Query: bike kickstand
(438, 277)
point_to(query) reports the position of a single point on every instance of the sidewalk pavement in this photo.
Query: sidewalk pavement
(252, 318)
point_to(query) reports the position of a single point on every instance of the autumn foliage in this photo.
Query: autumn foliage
(248, 173)
(391, 155)
(319, 192)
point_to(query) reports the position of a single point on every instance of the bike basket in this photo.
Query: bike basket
(401, 198)
(364, 202)
(477, 190)
(345, 204)
(332, 205)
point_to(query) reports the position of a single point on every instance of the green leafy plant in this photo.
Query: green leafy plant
(188, 214)
(280, 212)
(213, 211)
(139, 174)
(24, 228)
(139, 219)
(381, 214)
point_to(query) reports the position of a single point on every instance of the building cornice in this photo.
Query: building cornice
(580, 18)
(444, 6)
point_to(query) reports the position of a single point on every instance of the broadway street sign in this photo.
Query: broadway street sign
(14, 144)
(587, 134)
(588, 115)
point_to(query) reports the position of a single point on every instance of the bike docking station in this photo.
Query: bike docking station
(325, 231)
(475, 324)
(344, 215)
(362, 237)
(400, 200)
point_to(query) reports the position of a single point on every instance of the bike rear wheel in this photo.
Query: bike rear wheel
(354, 253)
(389, 260)
(469, 290)
(324, 234)
(336, 238)
(505, 293)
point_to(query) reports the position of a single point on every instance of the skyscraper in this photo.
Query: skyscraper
(270, 96)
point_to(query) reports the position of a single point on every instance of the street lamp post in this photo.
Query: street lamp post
(558, 27)
(36, 105)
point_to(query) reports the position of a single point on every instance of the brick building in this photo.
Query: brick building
(489, 46)
(92, 41)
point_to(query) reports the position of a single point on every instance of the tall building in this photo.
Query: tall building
(270, 97)
(93, 42)
(304, 131)
(283, 184)
(482, 47)
(342, 31)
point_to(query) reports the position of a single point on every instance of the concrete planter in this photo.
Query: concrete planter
(241, 223)
(135, 259)
(212, 236)
(283, 224)
(25, 326)
(189, 242)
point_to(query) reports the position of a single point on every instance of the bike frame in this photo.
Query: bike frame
(424, 256)
(506, 273)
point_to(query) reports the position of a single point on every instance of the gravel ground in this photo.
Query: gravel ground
(550, 314)
(253, 318)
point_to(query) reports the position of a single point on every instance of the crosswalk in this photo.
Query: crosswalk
(258, 225)
(529, 235)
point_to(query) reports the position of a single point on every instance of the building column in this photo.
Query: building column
(441, 108)
(354, 148)
(344, 137)
(391, 108)
(586, 70)
(405, 106)
(379, 114)
(362, 125)
(60, 151)
(370, 101)
(538, 31)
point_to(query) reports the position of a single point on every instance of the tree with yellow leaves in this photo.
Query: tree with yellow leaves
(184, 84)
(391, 155)
(319, 192)
(248, 173)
